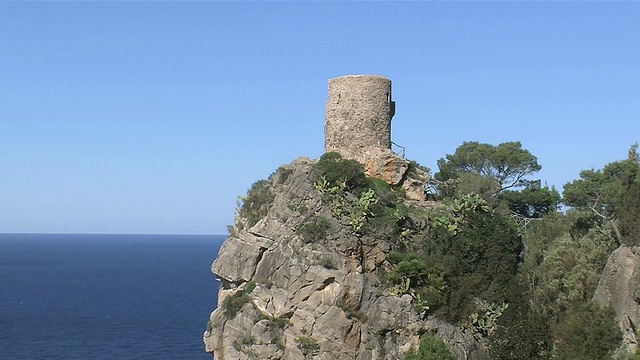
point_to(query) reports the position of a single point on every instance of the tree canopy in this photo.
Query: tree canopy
(498, 174)
(611, 194)
(507, 164)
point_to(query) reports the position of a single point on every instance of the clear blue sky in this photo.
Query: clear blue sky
(152, 117)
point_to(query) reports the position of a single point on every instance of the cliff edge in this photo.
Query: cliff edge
(304, 273)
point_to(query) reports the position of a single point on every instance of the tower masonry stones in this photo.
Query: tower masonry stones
(357, 125)
(358, 116)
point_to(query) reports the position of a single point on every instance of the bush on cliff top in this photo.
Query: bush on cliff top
(256, 204)
(335, 169)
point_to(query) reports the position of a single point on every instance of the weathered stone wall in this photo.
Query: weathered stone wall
(358, 116)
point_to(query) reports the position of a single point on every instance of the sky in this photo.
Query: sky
(153, 117)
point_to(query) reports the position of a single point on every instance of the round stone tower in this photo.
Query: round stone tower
(358, 112)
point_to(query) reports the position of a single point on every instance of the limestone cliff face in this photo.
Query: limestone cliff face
(294, 287)
(619, 288)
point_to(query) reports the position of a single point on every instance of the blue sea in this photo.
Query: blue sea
(110, 297)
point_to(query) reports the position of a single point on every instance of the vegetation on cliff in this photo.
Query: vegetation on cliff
(490, 252)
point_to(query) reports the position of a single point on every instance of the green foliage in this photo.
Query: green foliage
(462, 209)
(412, 276)
(361, 210)
(275, 322)
(484, 320)
(377, 207)
(413, 165)
(569, 271)
(335, 194)
(611, 194)
(236, 345)
(587, 332)
(521, 333)
(472, 253)
(537, 240)
(247, 340)
(256, 204)
(387, 195)
(232, 230)
(480, 259)
(534, 201)
(431, 348)
(506, 164)
(308, 345)
(408, 266)
(279, 322)
(562, 264)
(315, 229)
(629, 214)
(336, 170)
(390, 216)
(469, 204)
(234, 303)
(282, 174)
(251, 285)
(467, 183)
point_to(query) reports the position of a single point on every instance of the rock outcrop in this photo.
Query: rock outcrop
(619, 289)
(299, 283)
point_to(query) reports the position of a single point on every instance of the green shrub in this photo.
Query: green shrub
(279, 322)
(247, 340)
(234, 303)
(634, 356)
(256, 204)
(361, 210)
(308, 345)
(521, 332)
(282, 174)
(411, 275)
(479, 252)
(587, 332)
(249, 288)
(276, 322)
(335, 170)
(236, 345)
(314, 230)
(431, 348)
(413, 165)
(410, 267)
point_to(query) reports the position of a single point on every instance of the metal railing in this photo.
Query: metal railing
(402, 149)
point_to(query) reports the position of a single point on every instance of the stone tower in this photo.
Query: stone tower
(358, 116)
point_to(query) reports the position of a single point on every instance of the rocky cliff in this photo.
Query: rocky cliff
(300, 280)
(619, 289)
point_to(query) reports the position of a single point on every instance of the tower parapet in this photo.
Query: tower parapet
(358, 116)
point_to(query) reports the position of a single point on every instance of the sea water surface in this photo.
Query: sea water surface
(105, 296)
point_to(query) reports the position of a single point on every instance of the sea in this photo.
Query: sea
(116, 297)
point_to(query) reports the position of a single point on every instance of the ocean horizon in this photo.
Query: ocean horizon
(106, 296)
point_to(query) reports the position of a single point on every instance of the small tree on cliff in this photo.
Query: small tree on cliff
(499, 174)
(506, 165)
(611, 194)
